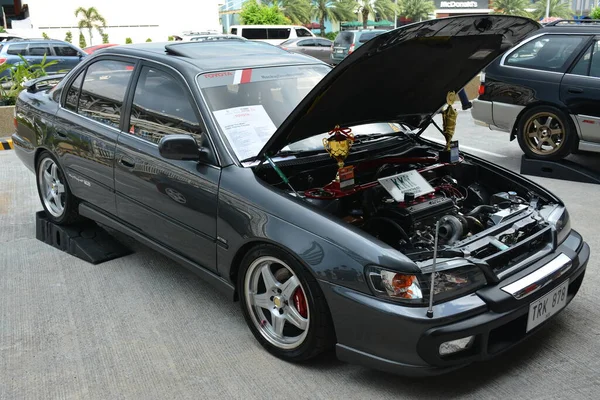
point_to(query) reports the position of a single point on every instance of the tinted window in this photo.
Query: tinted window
(65, 51)
(344, 39)
(161, 106)
(548, 53)
(103, 91)
(254, 33)
(16, 49)
(301, 32)
(38, 50)
(73, 93)
(278, 33)
(365, 37)
(234, 31)
(323, 42)
(589, 63)
(306, 42)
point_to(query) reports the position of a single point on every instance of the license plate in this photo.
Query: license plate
(339, 51)
(545, 307)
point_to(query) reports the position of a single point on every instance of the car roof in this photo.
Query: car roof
(211, 56)
(19, 41)
(582, 28)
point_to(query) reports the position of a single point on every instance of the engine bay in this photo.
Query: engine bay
(481, 213)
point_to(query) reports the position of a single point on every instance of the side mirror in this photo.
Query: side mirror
(179, 147)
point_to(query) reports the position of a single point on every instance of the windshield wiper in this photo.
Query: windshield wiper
(362, 138)
(286, 153)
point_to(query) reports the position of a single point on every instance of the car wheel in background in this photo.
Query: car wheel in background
(59, 203)
(284, 305)
(546, 133)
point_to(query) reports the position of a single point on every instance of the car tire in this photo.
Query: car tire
(546, 133)
(273, 309)
(60, 205)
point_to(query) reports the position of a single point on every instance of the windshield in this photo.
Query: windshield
(249, 105)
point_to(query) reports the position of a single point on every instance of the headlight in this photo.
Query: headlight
(415, 289)
(561, 221)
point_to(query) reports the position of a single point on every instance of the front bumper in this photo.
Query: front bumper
(400, 339)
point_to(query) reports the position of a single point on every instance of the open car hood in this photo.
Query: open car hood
(402, 76)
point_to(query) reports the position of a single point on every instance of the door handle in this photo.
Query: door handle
(574, 90)
(60, 134)
(126, 162)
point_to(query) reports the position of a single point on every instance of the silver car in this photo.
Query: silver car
(318, 48)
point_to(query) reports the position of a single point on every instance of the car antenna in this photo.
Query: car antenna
(281, 175)
(432, 284)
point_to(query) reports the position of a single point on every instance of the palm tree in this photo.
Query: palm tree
(512, 7)
(333, 10)
(557, 9)
(90, 20)
(416, 10)
(298, 11)
(383, 8)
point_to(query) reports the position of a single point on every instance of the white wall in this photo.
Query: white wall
(123, 18)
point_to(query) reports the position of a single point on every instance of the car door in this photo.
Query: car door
(66, 56)
(87, 127)
(36, 53)
(307, 46)
(172, 202)
(323, 47)
(580, 91)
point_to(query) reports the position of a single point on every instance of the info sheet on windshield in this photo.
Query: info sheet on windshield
(247, 129)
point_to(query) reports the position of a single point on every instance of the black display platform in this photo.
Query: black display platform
(563, 170)
(85, 240)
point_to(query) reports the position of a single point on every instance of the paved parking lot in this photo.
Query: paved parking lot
(142, 327)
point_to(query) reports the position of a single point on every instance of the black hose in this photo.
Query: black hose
(479, 209)
(384, 220)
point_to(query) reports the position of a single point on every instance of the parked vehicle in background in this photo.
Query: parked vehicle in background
(546, 91)
(66, 55)
(205, 38)
(273, 34)
(316, 47)
(92, 49)
(348, 41)
(188, 35)
(4, 37)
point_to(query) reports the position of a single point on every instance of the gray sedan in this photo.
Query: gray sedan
(316, 47)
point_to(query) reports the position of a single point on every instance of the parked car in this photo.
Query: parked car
(272, 34)
(66, 55)
(92, 49)
(212, 153)
(203, 38)
(316, 47)
(545, 92)
(346, 42)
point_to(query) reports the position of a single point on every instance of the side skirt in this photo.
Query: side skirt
(91, 212)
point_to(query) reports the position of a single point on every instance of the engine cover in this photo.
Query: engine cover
(419, 213)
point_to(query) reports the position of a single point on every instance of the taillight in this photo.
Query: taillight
(2, 61)
(481, 83)
(481, 89)
(15, 117)
(351, 49)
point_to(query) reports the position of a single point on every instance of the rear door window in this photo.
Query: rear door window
(38, 49)
(306, 43)
(323, 43)
(589, 63)
(303, 32)
(344, 39)
(103, 91)
(278, 33)
(546, 53)
(73, 93)
(254, 33)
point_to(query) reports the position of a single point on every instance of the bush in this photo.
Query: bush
(595, 14)
(254, 13)
(105, 38)
(148, 40)
(19, 74)
(45, 36)
(170, 38)
(331, 35)
(82, 42)
(69, 37)
(128, 40)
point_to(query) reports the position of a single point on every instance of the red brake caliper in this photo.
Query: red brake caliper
(300, 302)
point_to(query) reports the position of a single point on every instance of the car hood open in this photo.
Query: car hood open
(403, 75)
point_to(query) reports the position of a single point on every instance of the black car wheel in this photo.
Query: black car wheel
(59, 203)
(546, 133)
(283, 305)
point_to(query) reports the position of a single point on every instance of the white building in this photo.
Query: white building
(135, 19)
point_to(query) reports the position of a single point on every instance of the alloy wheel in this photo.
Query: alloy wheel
(276, 302)
(52, 188)
(544, 133)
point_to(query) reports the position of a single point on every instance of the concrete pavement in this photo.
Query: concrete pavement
(141, 327)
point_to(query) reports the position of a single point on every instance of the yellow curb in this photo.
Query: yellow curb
(6, 144)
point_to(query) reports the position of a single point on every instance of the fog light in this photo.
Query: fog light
(454, 346)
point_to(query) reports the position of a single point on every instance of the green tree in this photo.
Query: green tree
(82, 42)
(148, 40)
(90, 20)
(69, 37)
(128, 40)
(557, 9)
(105, 38)
(333, 10)
(595, 14)
(512, 7)
(382, 8)
(45, 36)
(170, 38)
(254, 13)
(297, 11)
(416, 10)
